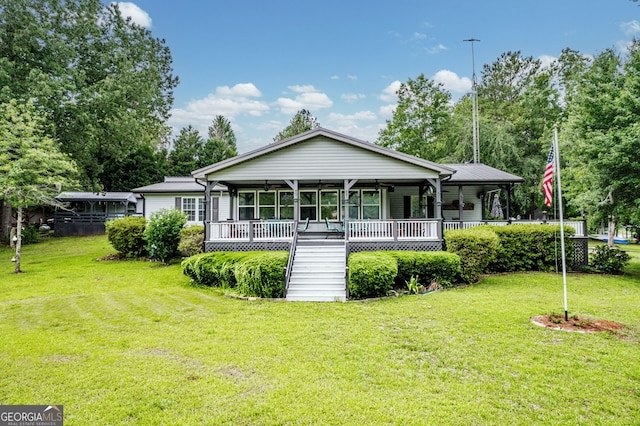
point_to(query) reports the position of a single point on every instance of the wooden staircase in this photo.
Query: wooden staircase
(318, 272)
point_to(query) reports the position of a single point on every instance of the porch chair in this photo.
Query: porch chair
(333, 228)
(303, 227)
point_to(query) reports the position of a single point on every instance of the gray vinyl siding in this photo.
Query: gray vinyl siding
(322, 158)
(470, 195)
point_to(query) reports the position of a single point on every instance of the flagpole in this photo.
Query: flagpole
(564, 260)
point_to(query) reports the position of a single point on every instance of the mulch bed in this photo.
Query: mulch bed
(576, 324)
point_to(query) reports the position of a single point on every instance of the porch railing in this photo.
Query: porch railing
(281, 230)
(393, 230)
(578, 225)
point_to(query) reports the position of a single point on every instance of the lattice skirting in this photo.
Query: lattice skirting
(211, 246)
(355, 247)
(580, 253)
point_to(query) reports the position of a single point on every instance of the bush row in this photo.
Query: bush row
(161, 238)
(507, 248)
(373, 274)
(257, 274)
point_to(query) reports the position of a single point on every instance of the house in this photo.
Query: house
(84, 213)
(321, 195)
(187, 195)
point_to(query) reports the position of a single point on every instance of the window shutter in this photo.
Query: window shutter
(178, 203)
(215, 207)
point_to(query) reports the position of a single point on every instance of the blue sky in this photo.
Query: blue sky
(257, 62)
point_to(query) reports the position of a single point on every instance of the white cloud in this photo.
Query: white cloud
(343, 120)
(389, 93)
(352, 97)
(309, 98)
(547, 60)
(335, 77)
(352, 77)
(227, 101)
(137, 15)
(386, 111)
(630, 28)
(418, 36)
(436, 49)
(452, 82)
(302, 89)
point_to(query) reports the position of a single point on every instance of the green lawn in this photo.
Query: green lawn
(134, 343)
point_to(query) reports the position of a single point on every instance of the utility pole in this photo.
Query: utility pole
(474, 102)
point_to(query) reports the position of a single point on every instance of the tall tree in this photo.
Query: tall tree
(302, 122)
(603, 139)
(221, 143)
(104, 81)
(187, 147)
(32, 169)
(420, 121)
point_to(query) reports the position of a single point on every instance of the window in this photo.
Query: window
(371, 204)
(286, 204)
(189, 206)
(246, 205)
(267, 205)
(308, 205)
(329, 207)
(354, 204)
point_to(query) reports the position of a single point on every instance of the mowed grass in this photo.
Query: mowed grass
(135, 343)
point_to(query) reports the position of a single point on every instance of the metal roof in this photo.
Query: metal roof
(97, 196)
(320, 131)
(176, 184)
(480, 173)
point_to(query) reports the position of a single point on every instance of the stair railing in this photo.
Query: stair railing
(292, 255)
(346, 268)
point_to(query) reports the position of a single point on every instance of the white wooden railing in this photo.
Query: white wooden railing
(577, 225)
(385, 230)
(280, 230)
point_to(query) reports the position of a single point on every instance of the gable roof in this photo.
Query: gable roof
(441, 170)
(480, 173)
(175, 184)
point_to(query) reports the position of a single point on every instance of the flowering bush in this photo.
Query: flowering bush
(609, 260)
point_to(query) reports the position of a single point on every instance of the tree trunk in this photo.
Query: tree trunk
(5, 215)
(611, 233)
(19, 239)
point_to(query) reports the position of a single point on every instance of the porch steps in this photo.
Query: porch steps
(318, 272)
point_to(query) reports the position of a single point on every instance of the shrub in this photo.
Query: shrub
(477, 248)
(191, 240)
(429, 266)
(215, 269)
(262, 275)
(30, 234)
(126, 235)
(371, 274)
(163, 233)
(530, 247)
(609, 260)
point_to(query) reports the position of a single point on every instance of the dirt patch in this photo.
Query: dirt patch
(576, 324)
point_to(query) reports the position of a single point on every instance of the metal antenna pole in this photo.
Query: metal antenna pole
(474, 102)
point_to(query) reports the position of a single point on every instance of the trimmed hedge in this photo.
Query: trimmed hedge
(371, 274)
(530, 247)
(254, 273)
(477, 248)
(262, 275)
(191, 240)
(438, 266)
(126, 235)
(215, 269)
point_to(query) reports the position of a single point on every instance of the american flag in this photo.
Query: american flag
(547, 181)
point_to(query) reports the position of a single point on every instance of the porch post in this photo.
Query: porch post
(509, 188)
(438, 187)
(293, 184)
(207, 209)
(348, 184)
(233, 193)
(460, 203)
